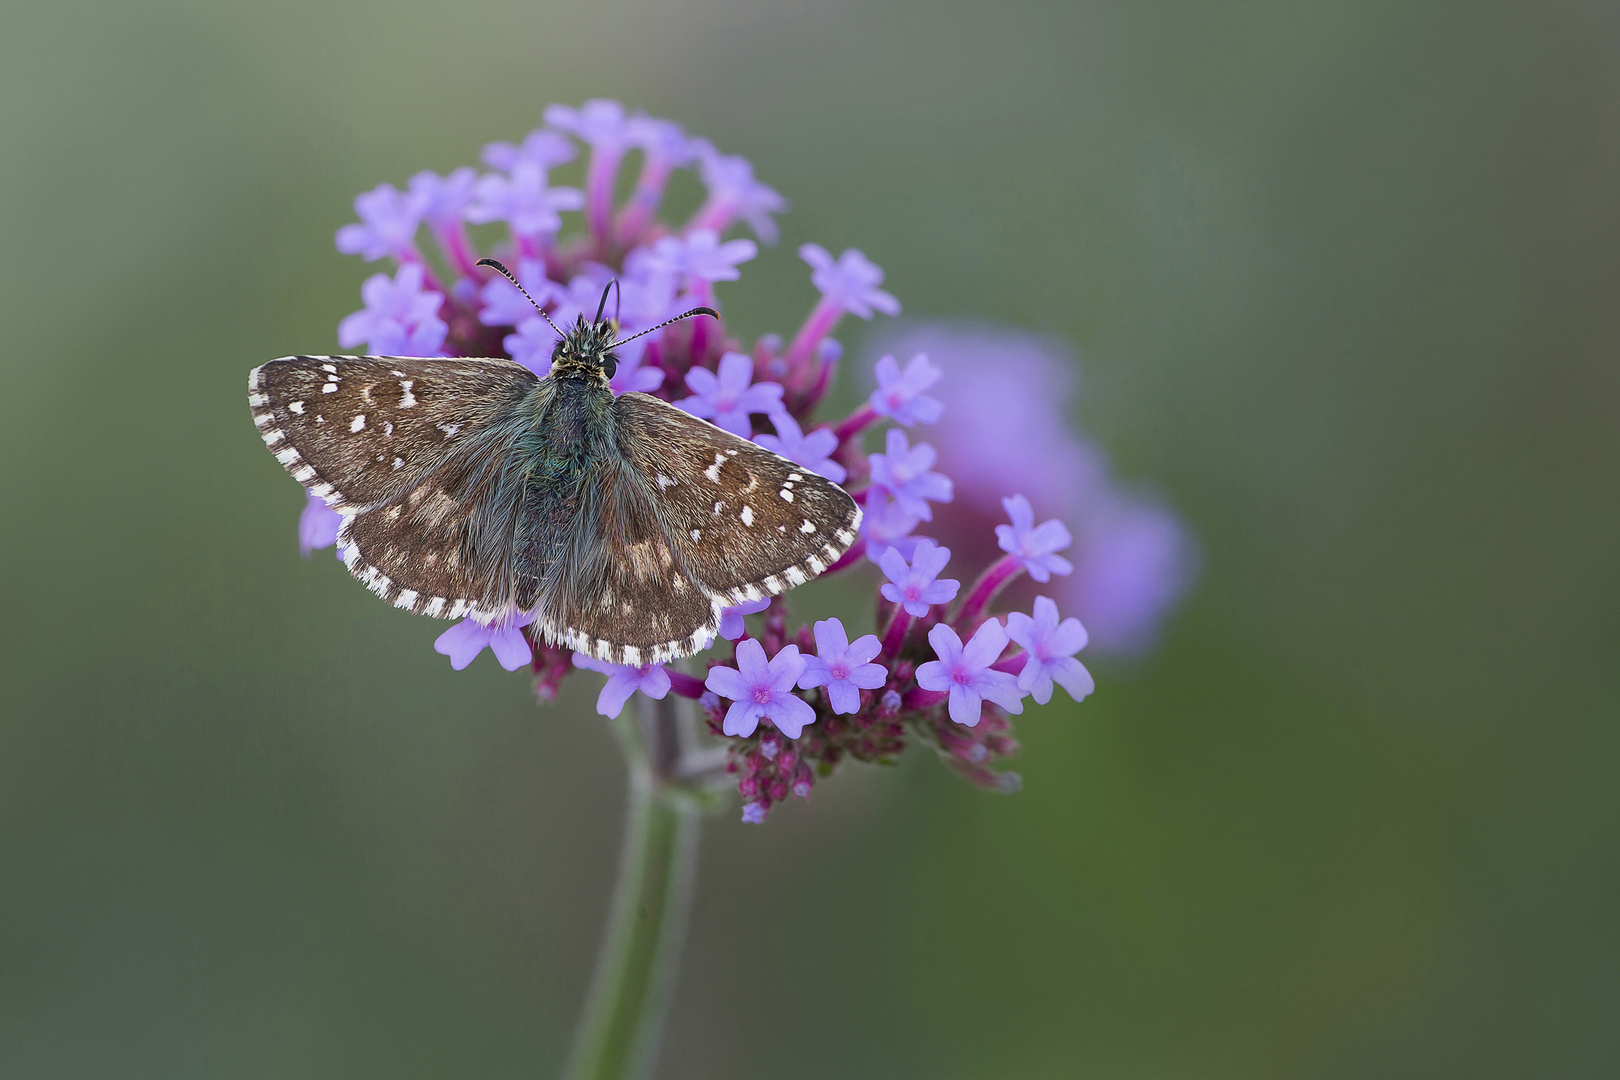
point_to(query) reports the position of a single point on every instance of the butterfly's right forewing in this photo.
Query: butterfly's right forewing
(745, 522)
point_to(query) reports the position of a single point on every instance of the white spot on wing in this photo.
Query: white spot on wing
(406, 399)
(747, 515)
(329, 388)
(296, 408)
(808, 527)
(358, 423)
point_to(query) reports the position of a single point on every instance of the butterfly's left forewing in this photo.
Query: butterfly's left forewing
(415, 453)
(745, 522)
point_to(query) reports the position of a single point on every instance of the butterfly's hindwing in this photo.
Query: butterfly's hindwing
(745, 522)
(357, 430)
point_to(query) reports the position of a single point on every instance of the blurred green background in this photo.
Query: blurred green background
(1343, 278)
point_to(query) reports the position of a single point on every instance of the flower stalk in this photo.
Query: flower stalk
(619, 1030)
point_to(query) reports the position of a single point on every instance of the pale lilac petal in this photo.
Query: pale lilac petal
(510, 647)
(965, 705)
(844, 697)
(985, 646)
(791, 714)
(728, 683)
(742, 718)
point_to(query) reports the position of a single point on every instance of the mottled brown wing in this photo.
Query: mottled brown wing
(745, 522)
(357, 430)
(416, 454)
(618, 590)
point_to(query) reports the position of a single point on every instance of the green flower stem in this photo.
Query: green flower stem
(619, 1031)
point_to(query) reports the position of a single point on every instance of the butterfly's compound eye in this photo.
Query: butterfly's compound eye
(610, 364)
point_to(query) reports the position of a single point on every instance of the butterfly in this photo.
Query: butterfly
(474, 488)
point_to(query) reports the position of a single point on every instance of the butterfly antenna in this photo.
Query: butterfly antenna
(710, 312)
(614, 284)
(507, 274)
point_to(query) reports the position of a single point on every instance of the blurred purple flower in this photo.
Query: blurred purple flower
(1051, 646)
(851, 282)
(541, 147)
(912, 585)
(843, 667)
(390, 338)
(904, 475)
(318, 525)
(699, 254)
(465, 640)
(758, 689)
(731, 618)
(623, 681)
(1034, 544)
(599, 122)
(900, 396)
(810, 450)
(733, 194)
(727, 399)
(388, 222)
(532, 345)
(443, 198)
(395, 308)
(1010, 394)
(504, 305)
(522, 200)
(630, 375)
(965, 672)
(887, 524)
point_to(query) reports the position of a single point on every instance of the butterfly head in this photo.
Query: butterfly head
(586, 349)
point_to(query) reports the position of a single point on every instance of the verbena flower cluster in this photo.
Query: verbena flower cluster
(946, 667)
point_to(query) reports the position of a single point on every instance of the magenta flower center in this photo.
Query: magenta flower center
(838, 671)
(762, 695)
(961, 675)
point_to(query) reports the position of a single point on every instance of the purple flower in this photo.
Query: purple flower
(886, 524)
(630, 375)
(758, 689)
(542, 147)
(727, 399)
(465, 640)
(913, 586)
(903, 475)
(388, 223)
(966, 672)
(663, 141)
(1034, 544)
(1051, 646)
(1011, 394)
(754, 812)
(731, 618)
(900, 396)
(531, 346)
(443, 198)
(395, 308)
(623, 681)
(733, 194)
(842, 666)
(851, 282)
(808, 450)
(505, 306)
(600, 122)
(390, 338)
(1135, 560)
(318, 525)
(522, 200)
(699, 254)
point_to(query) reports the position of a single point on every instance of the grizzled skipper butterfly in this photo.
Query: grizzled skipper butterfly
(474, 488)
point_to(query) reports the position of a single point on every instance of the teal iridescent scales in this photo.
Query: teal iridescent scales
(470, 487)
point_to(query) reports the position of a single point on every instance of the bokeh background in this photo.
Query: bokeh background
(1342, 279)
